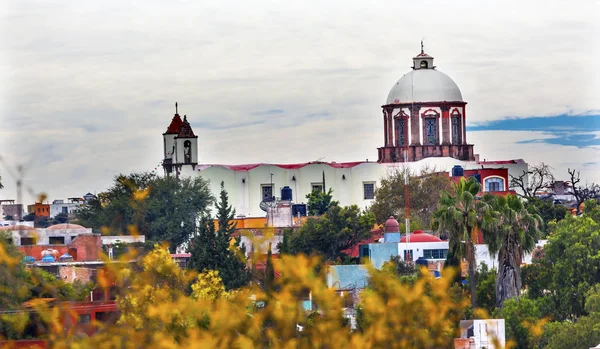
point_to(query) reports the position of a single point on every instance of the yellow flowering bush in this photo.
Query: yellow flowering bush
(162, 306)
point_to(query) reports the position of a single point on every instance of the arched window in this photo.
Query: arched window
(424, 64)
(187, 152)
(430, 131)
(494, 184)
(455, 131)
(400, 128)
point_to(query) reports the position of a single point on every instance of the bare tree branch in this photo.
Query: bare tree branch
(532, 181)
(582, 193)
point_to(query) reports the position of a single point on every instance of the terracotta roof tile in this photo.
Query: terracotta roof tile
(185, 131)
(175, 125)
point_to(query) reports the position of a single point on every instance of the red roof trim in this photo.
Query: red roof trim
(248, 167)
(501, 162)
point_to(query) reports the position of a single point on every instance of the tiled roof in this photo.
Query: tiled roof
(65, 226)
(175, 125)
(185, 131)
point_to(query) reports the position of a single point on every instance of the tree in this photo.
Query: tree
(337, 230)
(217, 249)
(209, 286)
(514, 233)
(284, 246)
(30, 217)
(582, 193)
(61, 218)
(547, 210)
(580, 334)
(9, 218)
(161, 208)
(519, 315)
(462, 216)
(156, 280)
(486, 288)
(569, 265)
(269, 272)
(320, 201)
(533, 180)
(42, 222)
(424, 188)
(14, 287)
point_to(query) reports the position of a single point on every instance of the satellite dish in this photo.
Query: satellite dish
(265, 205)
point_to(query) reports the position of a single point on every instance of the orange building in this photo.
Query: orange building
(39, 209)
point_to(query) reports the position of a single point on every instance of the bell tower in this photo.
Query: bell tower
(180, 145)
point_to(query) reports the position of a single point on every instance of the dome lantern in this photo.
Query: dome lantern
(423, 60)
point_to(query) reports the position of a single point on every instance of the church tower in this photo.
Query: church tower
(425, 115)
(180, 145)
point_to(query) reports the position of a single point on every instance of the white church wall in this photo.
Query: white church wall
(245, 187)
(169, 145)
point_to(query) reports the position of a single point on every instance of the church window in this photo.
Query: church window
(430, 131)
(400, 124)
(267, 192)
(318, 187)
(369, 191)
(187, 152)
(424, 64)
(494, 184)
(56, 240)
(455, 132)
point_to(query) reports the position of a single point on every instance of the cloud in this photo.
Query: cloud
(572, 130)
(89, 87)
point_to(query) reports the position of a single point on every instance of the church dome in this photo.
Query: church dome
(424, 85)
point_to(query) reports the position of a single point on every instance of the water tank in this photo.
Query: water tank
(457, 171)
(286, 193)
(299, 208)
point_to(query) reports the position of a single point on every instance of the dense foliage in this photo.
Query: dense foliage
(461, 215)
(547, 210)
(218, 249)
(319, 202)
(339, 229)
(156, 311)
(424, 188)
(164, 209)
(569, 265)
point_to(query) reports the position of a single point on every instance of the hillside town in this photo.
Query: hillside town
(291, 175)
(340, 245)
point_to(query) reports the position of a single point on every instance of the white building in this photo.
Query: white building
(70, 207)
(417, 105)
(58, 234)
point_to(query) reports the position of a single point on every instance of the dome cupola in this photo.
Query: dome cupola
(424, 84)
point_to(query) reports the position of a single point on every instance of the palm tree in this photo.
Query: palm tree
(514, 234)
(461, 214)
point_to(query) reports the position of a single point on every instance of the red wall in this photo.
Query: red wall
(87, 247)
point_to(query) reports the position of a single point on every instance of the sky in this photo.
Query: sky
(88, 87)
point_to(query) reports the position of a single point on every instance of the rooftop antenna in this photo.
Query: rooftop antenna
(176, 102)
(422, 50)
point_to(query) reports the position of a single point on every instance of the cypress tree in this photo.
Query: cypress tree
(269, 272)
(211, 248)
